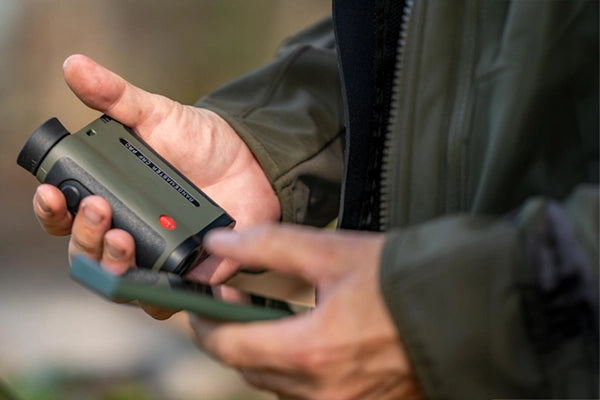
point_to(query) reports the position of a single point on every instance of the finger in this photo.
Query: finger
(258, 345)
(118, 251)
(156, 312)
(118, 255)
(285, 386)
(50, 208)
(212, 271)
(229, 294)
(90, 225)
(109, 93)
(311, 253)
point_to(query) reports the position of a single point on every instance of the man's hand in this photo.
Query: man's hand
(347, 348)
(197, 142)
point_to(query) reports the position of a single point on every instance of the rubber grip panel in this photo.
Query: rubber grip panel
(148, 243)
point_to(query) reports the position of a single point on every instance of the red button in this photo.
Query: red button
(166, 222)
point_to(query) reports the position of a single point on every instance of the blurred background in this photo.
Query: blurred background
(58, 340)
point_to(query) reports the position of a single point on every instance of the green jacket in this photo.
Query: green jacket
(489, 179)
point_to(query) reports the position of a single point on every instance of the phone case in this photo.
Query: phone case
(170, 291)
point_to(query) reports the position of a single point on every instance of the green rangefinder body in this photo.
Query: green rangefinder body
(166, 214)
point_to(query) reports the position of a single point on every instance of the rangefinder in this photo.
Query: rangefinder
(166, 214)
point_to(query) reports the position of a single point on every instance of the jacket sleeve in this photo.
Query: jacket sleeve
(289, 113)
(500, 307)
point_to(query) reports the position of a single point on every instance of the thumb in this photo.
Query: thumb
(109, 93)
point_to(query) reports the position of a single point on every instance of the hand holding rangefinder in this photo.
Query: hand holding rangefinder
(166, 214)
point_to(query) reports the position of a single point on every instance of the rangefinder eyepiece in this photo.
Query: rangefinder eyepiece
(166, 214)
(39, 144)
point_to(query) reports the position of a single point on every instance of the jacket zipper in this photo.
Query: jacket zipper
(390, 139)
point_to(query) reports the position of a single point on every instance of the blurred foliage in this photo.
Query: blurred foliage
(181, 49)
(61, 385)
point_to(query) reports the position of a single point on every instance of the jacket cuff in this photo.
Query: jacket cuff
(498, 307)
(306, 184)
(456, 306)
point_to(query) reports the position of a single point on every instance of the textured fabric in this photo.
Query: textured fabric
(289, 113)
(498, 300)
(487, 148)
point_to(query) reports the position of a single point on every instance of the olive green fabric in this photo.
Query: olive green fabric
(509, 126)
(289, 113)
(456, 292)
(495, 136)
(498, 102)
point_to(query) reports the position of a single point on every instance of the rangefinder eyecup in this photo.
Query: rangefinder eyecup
(166, 214)
(40, 143)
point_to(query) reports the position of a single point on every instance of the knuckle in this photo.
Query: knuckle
(54, 224)
(56, 229)
(84, 244)
(312, 361)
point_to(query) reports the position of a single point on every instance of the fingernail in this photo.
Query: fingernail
(114, 251)
(91, 214)
(42, 204)
(67, 61)
(224, 237)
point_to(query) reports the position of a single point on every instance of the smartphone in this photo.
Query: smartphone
(171, 291)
